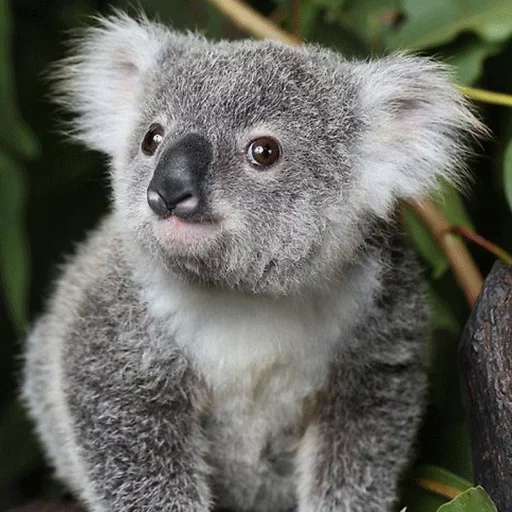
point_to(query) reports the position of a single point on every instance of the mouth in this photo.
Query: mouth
(186, 230)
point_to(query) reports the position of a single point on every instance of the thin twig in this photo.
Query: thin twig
(466, 272)
(253, 22)
(500, 253)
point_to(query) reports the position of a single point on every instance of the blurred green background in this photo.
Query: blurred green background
(52, 192)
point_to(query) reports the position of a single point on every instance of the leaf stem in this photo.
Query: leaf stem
(495, 98)
(500, 253)
(444, 490)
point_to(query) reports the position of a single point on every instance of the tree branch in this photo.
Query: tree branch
(466, 272)
(485, 363)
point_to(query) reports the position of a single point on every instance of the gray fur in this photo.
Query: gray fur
(276, 361)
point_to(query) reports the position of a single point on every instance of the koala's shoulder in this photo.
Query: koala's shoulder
(92, 280)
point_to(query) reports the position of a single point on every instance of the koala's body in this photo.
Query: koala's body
(245, 330)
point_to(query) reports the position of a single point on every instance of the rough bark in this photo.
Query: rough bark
(485, 359)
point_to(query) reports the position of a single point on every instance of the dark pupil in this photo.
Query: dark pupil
(264, 152)
(150, 144)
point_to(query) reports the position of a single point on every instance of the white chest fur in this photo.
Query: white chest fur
(243, 340)
(263, 359)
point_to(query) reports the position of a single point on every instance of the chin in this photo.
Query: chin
(207, 254)
(248, 279)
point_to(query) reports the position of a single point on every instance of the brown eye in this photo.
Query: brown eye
(263, 152)
(152, 139)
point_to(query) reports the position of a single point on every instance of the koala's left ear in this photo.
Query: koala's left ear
(101, 80)
(418, 129)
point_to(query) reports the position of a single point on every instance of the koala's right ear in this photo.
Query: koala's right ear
(101, 80)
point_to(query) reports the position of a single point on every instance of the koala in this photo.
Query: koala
(245, 329)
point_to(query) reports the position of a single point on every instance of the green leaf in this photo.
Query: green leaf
(450, 201)
(417, 499)
(507, 173)
(308, 19)
(336, 37)
(14, 133)
(19, 450)
(370, 21)
(451, 204)
(14, 262)
(473, 500)
(420, 493)
(442, 316)
(468, 58)
(424, 242)
(437, 22)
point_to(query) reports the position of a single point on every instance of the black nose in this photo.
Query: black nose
(177, 184)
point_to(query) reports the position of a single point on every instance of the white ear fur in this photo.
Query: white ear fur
(418, 129)
(101, 80)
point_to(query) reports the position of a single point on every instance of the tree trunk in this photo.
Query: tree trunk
(485, 360)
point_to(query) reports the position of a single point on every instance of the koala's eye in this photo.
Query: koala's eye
(263, 152)
(152, 139)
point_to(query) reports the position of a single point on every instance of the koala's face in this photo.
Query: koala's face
(234, 172)
(253, 165)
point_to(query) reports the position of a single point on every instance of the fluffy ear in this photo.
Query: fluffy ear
(418, 129)
(102, 78)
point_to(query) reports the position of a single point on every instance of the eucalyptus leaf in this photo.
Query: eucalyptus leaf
(507, 172)
(468, 58)
(19, 450)
(14, 133)
(14, 260)
(417, 499)
(473, 500)
(437, 22)
(428, 487)
(449, 200)
(370, 21)
(442, 317)
(424, 242)
(337, 38)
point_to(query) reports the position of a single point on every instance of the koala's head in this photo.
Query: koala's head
(253, 165)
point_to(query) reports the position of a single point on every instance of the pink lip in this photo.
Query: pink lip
(173, 229)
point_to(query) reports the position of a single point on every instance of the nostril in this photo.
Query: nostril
(186, 205)
(157, 203)
(181, 205)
